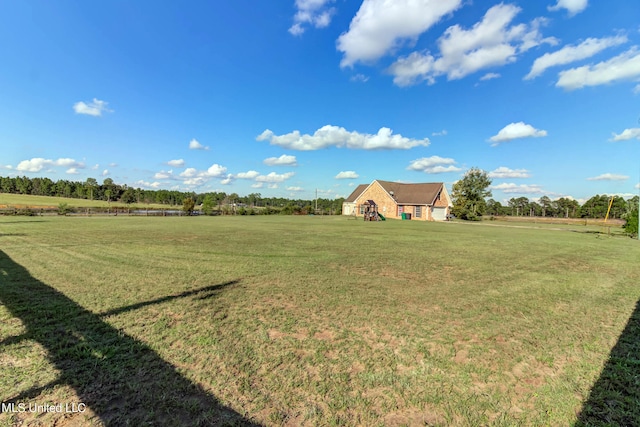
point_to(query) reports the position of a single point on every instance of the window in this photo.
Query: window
(361, 209)
(418, 211)
(400, 210)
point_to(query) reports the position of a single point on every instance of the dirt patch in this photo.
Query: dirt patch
(412, 417)
(324, 335)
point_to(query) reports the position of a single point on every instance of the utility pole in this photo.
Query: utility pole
(316, 201)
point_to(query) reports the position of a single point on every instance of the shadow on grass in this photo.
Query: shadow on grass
(121, 379)
(615, 398)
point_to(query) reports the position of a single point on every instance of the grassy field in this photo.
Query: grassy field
(272, 320)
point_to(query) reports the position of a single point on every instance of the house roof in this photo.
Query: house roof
(358, 191)
(414, 194)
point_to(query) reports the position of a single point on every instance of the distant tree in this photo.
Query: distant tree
(207, 204)
(128, 196)
(188, 205)
(631, 226)
(469, 194)
(91, 184)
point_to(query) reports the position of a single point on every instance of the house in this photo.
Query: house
(424, 202)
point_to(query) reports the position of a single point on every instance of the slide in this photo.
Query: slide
(382, 218)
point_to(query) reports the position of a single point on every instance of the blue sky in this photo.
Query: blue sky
(286, 97)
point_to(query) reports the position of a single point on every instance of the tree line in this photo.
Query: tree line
(109, 191)
(471, 200)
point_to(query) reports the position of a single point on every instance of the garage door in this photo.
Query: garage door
(439, 214)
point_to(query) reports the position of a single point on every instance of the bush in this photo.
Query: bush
(631, 226)
(64, 208)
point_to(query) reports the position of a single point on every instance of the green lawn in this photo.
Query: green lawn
(279, 320)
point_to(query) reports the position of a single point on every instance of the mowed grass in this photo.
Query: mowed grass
(308, 320)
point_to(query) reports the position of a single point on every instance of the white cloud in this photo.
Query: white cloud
(163, 175)
(571, 53)
(311, 12)
(257, 185)
(434, 164)
(195, 145)
(176, 163)
(193, 177)
(572, 6)
(608, 177)
(637, 186)
(515, 131)
(94, 108)
(636, 90)
(381, 26)
(490, 76)
(490, 43)
(625, 66)
(284, 160)
(504, 172)
(216, 171)
(347, 175)
(520, 189)
(297, 189)
(228, 180)
(36, 164)
(106, 172)
(274, 177)
(335, 136)
(189, 173)
(247, 175)
(146, 184)
(72, 171)
(272, 186)
(627, 134)
(443, 132)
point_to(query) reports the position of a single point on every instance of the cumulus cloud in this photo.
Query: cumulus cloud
(247, 175)
(311, 12)
(515, 131)
(491, 42)
(94, 108)
(72, 171)
(381, 25)
(106, 172)
(626, 135)
(572, 6)
(147, 184)
(226, 181)
(520, 189)
(504, 172)
(434, 164)
(572, 53)
(195, 145)
(295, 189)
(178, 163)
(328, 136)
(193, 177)
(163, 175)
(284, 160)
(608, 177)
(347, 175)
(443, 132)
(36, 164)
(274, 177)
(623, 67)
